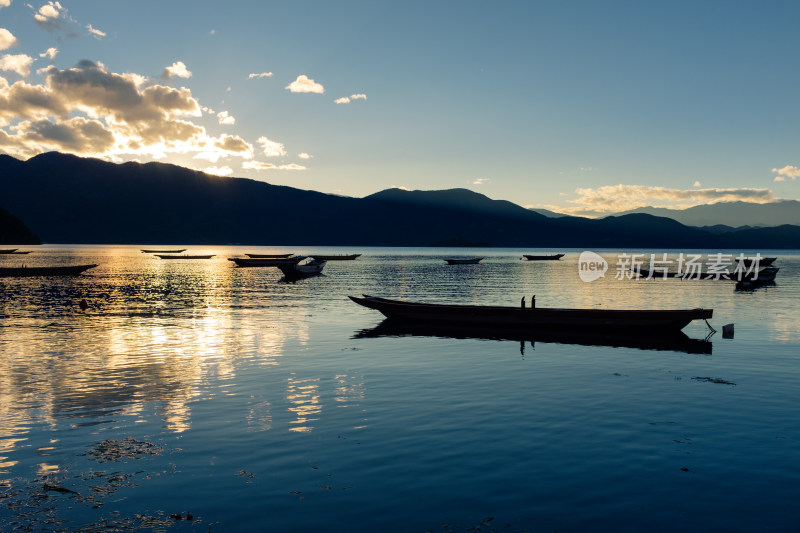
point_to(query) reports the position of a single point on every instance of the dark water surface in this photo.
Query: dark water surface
(259, 405)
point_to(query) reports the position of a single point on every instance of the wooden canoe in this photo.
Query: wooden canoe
(536, 318)
(24, 271)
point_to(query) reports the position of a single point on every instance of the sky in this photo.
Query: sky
(582, 107)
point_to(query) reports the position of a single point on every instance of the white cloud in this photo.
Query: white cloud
(99, 34)
(176, 70)
(257, 165)
(219, 171)
(50, 52)
(51, 16)
(348, 99)
(271, 148)
(696, 184)
(291, 166)
(789, 171)
(5, 3)
(481, 181)
(303, 84)
(19, 63)
(7, 39)
(616, 198)
(303, 155)
(225, 119)
(259, 75)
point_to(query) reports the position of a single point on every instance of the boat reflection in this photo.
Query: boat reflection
(673, 341)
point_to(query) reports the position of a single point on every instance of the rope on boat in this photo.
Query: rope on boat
(709, 326)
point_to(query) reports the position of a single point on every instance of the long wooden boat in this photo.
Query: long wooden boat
(535, 317)
(551, 257)
(295, 271)
(71, 270)
(339, 257)
(268, 256)
(469, 261)
(762, 261)
(7, 250)
(266, 262)
(183, 256)
(164, 251)
(675, 341)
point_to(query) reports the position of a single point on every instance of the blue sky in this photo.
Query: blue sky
(587, 107)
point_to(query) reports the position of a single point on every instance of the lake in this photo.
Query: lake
(192, 395)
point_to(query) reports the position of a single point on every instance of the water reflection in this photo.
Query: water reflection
(673, 341)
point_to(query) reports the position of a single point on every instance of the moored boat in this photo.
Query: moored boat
(551, 257)
(164, 251)
(536, 317)
(24, 271)
(764, 275)
(266, 262)
(268, 256)
(468, 261)
(295, 271)
(7, 250)
(339, 257)
(183, 256)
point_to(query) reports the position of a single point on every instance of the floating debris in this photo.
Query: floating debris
(714, 380)
(128, 448)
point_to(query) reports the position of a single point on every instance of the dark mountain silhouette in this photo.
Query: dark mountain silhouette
(13, 231)
(67, 199)
(734, 214)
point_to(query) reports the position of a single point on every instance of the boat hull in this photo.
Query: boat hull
(72, 270)
(265, 262)
(536, 318)
(349, 257)
(554, 257)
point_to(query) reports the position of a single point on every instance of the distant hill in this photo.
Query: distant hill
(67, 199)
(734, 214)
(547, 212)
(13, 231)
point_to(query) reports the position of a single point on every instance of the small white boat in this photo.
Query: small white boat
(304, 269)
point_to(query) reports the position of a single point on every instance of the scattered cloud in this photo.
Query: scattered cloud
(176, 70)
(348, 99)
(789, 171)
(303, 155)
(19, 63)
(271, 148)
(225, 119)
(290, 166)
(50, 53)
(259, 75)
(616, 198)
(7, 39)
(257, 165)
(212, 32)
(218, 171)
(51, 16)
(95, 32)
(89, 111)
(4, 3)
(696, 184)
(303, 84)
(481, 181)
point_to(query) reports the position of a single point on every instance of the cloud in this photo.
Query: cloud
(271, 148)
(259, 75)
(50, 52)
(788, 171)
(257, 165)
(7, 39)
(95, 32)
(51, 16)
(303, 155)
(19, 63)
(697, 184)
(305, 85)
(481, 181)
(616, 198)
(176, 70)
(218, 171)
(4, 3)
(225, 119)
(348, 99)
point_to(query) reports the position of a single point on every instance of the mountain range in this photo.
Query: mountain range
(68, 199)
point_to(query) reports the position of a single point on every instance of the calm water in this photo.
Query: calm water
(259, 405)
